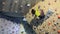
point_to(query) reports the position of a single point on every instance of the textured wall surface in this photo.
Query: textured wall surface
(8, 27)
(53, 20)
(17, 7)
(51, 25)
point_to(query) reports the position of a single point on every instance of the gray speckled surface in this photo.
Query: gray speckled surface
(13, 25)
(8, 27)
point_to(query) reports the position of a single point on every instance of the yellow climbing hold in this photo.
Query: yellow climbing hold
(37, 13)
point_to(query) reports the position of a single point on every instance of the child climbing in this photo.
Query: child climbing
(38, 13)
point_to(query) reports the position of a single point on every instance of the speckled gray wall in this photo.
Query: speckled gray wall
(18, 6)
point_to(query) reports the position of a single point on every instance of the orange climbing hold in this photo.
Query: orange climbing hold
(59, 16)
(58, 31)
(49, 23)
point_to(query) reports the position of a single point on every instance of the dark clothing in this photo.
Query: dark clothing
(42, 17)
(42, 13)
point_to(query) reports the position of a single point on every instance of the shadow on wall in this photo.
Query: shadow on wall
(28, 28)
(13, 19)
(18, 20)
(36, 22)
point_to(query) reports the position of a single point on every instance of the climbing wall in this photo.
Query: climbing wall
(52, 24)
(17, 8)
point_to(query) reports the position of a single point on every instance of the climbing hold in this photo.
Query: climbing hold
(58, 16)
(43, 26)
(28, 5)
(40, 29)
(34, 28)
(49, 23)
(24, 19)
(55, 24)
(54, 28)
(58, 31)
